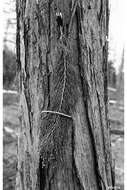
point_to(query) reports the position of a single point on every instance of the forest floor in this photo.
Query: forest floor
(10, 132)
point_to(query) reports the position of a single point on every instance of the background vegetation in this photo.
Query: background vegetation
(9, 69)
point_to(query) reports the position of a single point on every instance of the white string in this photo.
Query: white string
(55, 112)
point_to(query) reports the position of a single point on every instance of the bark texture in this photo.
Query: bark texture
(63, 70)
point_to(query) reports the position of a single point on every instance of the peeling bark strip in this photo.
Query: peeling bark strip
(64, 141)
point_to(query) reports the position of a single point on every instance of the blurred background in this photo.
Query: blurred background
(115, 90)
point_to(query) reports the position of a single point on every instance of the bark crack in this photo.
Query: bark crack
(64, 83)
(48, 52)
(27, 75)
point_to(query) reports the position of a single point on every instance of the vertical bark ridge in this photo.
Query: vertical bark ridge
(75, 174)
(18, 60)
(84, 87)
(101, 171)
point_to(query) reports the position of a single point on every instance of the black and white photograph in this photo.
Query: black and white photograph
(63, 93)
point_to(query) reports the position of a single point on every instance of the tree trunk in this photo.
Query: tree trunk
(64, 140)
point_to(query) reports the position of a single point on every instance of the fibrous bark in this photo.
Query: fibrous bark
(63, 71)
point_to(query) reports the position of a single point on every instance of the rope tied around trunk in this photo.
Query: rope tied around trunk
(55, 112)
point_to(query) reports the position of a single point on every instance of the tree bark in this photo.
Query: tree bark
(63, 69)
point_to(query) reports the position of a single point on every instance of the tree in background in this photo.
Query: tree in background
(64, 139)
(111, 74)
(9, 68)
(120, 81)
